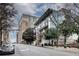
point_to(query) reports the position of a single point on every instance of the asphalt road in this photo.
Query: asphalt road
(28, 50)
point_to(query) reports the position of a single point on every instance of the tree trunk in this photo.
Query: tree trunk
(78, 39)
(57, 42)
(52, 42)
(0, 38)
(0, 34)
(65, 42)
(49, 42)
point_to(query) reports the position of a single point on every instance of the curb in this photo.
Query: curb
(63, 50)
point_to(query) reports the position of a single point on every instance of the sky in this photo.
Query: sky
(12, 36)
(36, 9)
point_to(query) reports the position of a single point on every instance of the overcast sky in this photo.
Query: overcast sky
(34, 8)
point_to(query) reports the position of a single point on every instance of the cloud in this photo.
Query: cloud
(45, 6)
(52, 6)
(33, 8)
(26, 8)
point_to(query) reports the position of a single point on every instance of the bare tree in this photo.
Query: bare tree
(7, 12)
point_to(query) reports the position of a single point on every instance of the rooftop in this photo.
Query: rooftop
(44, 16)
(29, 15)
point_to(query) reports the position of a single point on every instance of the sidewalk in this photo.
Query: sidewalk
(70, 50)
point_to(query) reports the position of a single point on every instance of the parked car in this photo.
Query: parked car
(7, 49)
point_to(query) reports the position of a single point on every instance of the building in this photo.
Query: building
(46, 21)
(50, 19)
(5, 37)
(26, 21)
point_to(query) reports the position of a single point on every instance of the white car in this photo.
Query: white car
(7, 49)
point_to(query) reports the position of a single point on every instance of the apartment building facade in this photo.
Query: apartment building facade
(50, 19)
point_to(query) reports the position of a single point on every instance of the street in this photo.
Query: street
(28, 50)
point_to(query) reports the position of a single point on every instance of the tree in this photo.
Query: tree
(73, 19)
(66, 28)
(29, 35)
(7, 12)
(51, 34)
(76, 30)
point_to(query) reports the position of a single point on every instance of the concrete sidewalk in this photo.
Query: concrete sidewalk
(70, 50)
